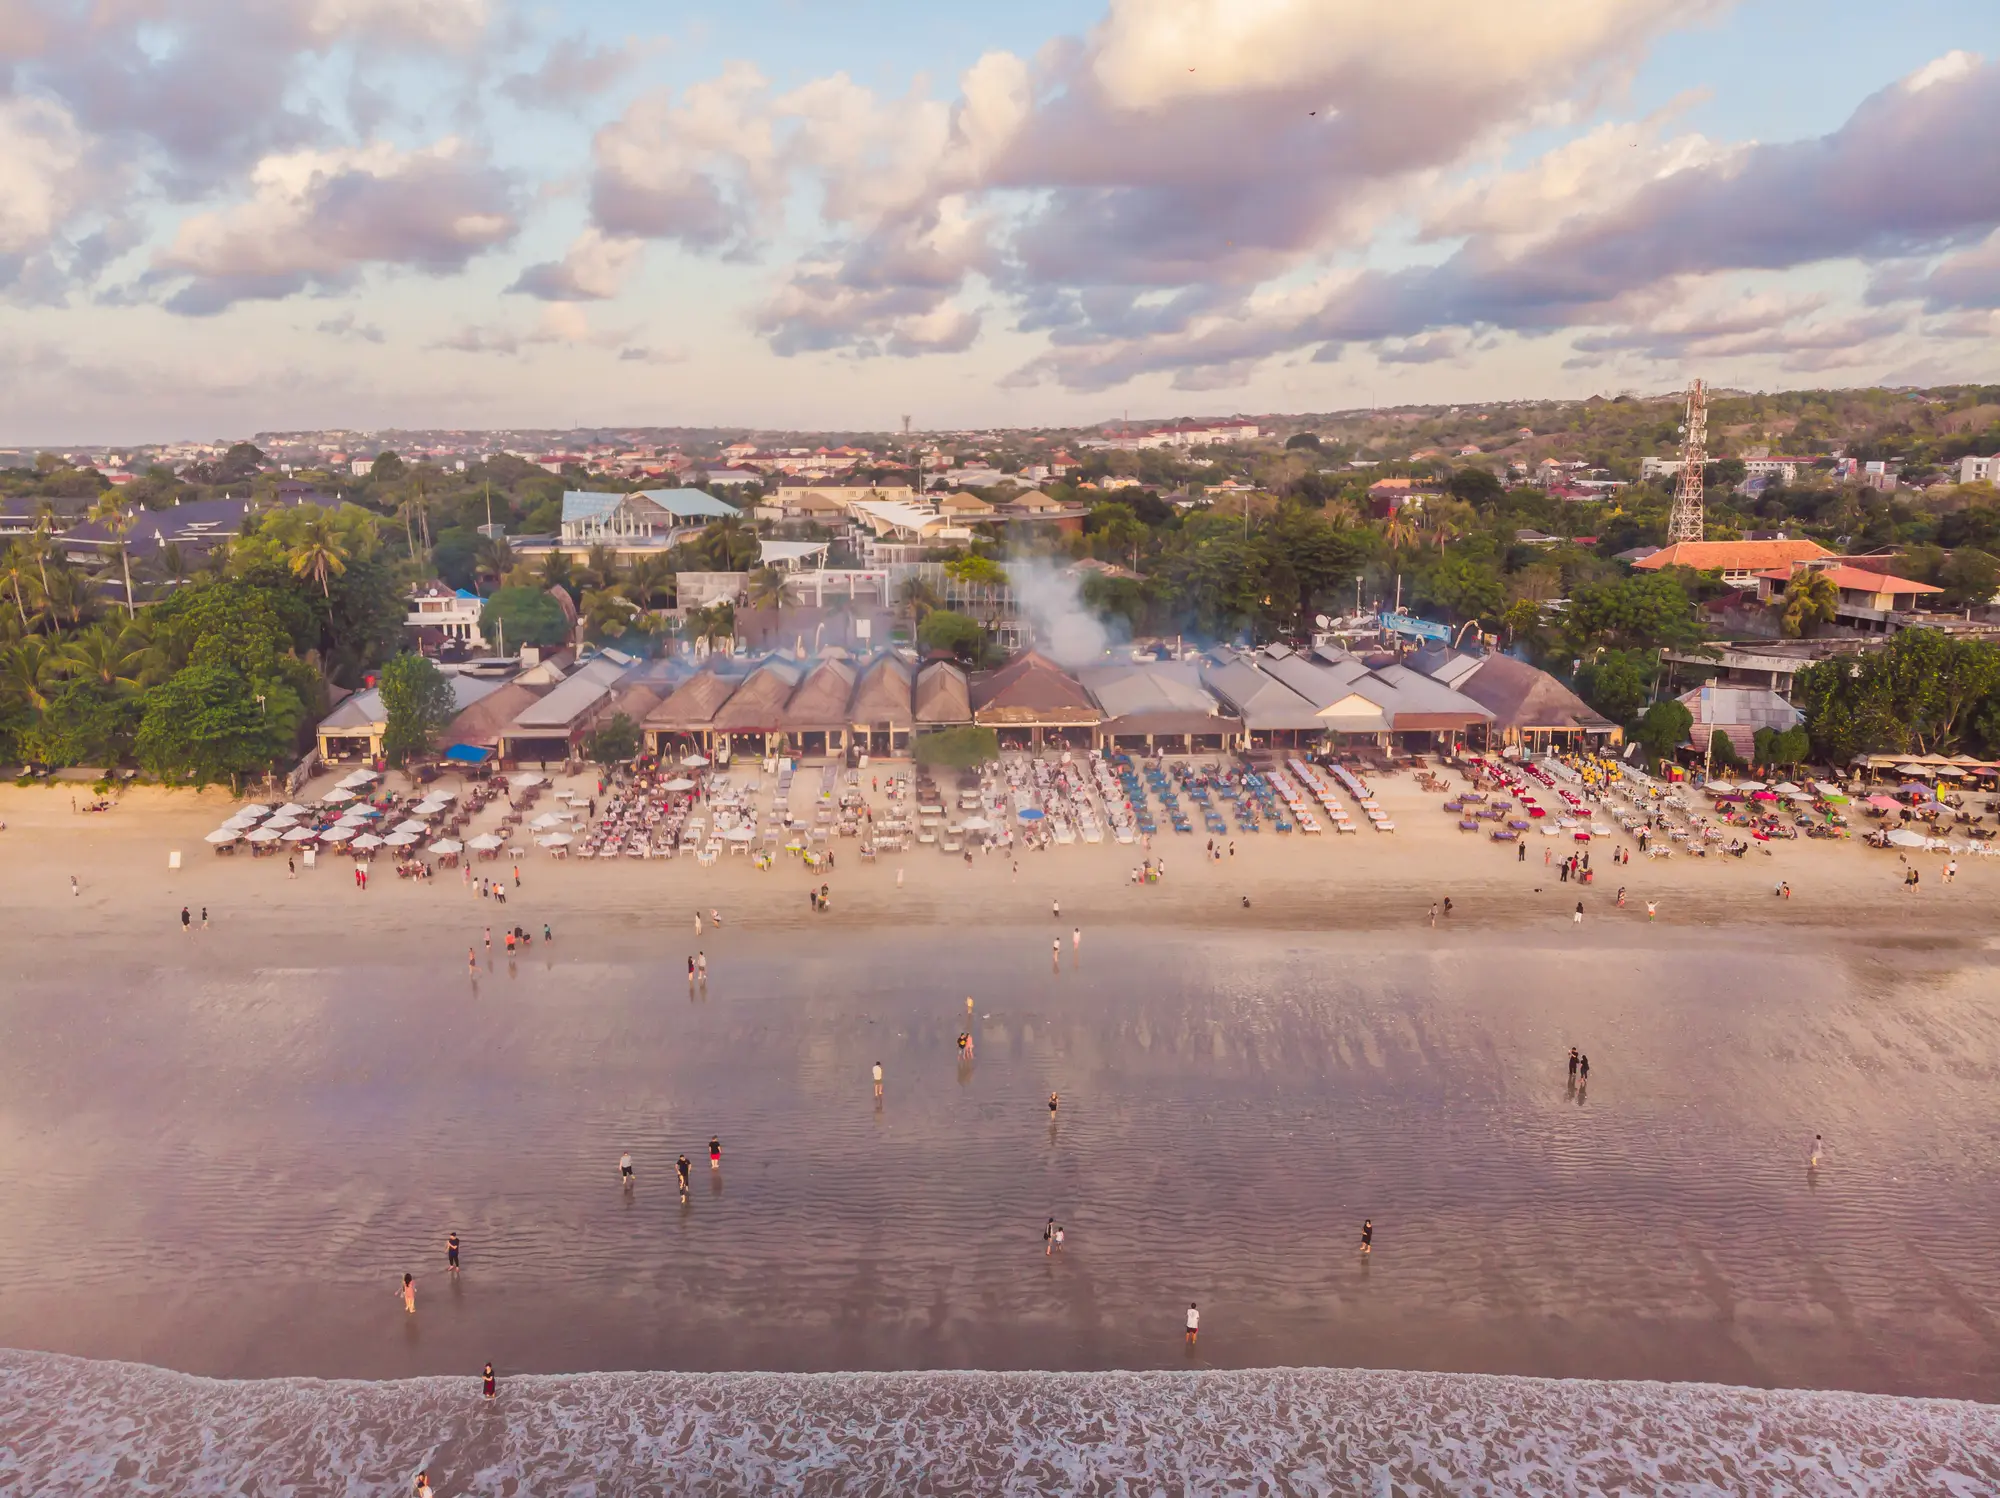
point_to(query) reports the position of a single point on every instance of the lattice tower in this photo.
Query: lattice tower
(1686, 522)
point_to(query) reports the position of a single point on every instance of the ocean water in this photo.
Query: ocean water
(84, 1428)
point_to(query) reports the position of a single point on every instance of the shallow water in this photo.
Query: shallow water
(104, 1428)
(226, 1170)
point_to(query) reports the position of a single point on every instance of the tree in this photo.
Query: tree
(419, 705)
(85, 723)
(117, 523)
(523, 616)
(1970, 577)
(1722, 753)
(387, 468)
(1663, 728)
(207, 723)
(495, 559)
(1474, 486)
(1616, 683)
(1467, 589)
(919, 599)
(944, 630)
(1646, 613)
(1298, 440)
(765, 589)
(319, 553)
(109, 657)
(1810, 598)
(615, 742)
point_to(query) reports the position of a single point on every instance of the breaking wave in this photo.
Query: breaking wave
(72, 1426)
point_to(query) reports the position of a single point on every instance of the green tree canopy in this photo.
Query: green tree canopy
(205, 723)
(419, 705)
(614, 742)
(1617, 683)
(1663, 728)
(943, 629)
(526, 616)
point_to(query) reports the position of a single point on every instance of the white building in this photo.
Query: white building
(453, 611)
(1979, 470)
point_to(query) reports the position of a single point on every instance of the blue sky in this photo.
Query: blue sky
(779, 213)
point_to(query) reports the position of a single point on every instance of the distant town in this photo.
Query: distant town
(1860, 524)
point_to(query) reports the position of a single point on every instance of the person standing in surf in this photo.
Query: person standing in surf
(1367, 1235)
(489, 1380)
(451, 1251)
(1193, 1323)
(410, 1293)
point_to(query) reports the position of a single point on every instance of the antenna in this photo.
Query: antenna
(1685, 523)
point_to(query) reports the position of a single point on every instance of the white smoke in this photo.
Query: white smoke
(1066, 629)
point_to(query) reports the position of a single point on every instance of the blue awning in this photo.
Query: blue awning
(468, 754)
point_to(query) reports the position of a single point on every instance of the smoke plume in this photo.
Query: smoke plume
(1067, 630)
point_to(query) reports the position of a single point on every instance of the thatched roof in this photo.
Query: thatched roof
(883, 698)
(1522, 698)
(759, 704)
(694, 703)
(821, 700)
(480, 724)
(1032, 689)
(943, 695)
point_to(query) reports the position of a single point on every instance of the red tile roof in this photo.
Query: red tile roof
(1732, 556)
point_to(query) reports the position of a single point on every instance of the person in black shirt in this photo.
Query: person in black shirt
(489, 1380)
(1368, 1235)
(451, 1251)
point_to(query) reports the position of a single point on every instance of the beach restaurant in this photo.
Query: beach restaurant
(1159, 707)
(1530, 709)
(1293, 699)
(1031, 701)
(354, 729)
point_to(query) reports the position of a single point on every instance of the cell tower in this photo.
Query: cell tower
(1686, 522)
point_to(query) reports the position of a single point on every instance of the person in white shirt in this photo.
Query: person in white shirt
(1193, 1323)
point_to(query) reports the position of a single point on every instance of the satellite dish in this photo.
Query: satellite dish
(1322, 621)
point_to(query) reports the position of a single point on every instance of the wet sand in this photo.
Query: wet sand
(228, 1147)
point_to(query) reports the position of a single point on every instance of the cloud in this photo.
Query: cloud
(559, 323)
(316, 218)
(594, 269)
(638, 354)
(573, 72)
(348, 326)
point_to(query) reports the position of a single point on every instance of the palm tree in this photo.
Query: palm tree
(320, 554)
(117, 523)
(26, 670)
(173, 562)
(556, 570)
(601, 565)
(919, 598)
(1810, 598)
(765, 588)
(107, 656)
(12, 568)
(648, 580)
(495, 559)
(1399, 530)
(67, 594)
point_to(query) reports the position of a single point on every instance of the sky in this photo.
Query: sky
(219, 218)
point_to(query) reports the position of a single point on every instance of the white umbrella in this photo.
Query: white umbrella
(1906, 839)
(359, 779)
(1951, 771)
(547, 820)
(976, 824)
(447, 845)
(253, 810)
(555, 840)
(526, 778)
(281, 824)
(222, 836)
(426, 809)
(241, 822)
(338, 834)
(1719, 788)
(678, 785)
(1785, 788)
(368, 840)
(302, 834)
(290, 809)
(739, 834)
(695, 761)
(262, 835)
(1749, 785)
(436, 795)
(354, 819)
(399, 839)
(337, 796)
(484, 843)
(413, 829)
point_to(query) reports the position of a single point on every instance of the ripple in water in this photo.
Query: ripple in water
(79, 1427)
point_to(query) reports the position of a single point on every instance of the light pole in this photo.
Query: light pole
(1357, 594)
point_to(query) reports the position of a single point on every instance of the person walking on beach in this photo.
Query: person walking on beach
(1193, 1323)
(547, 935)
(1055, 953)
(291, 868)
(1076, 938)
(410, 1293)
(1049, 1239)
(1434, 915)
(683, 1167)
(204, 917)
(1578, 918)
(715, 1152)
(968, 1006)
(186, 920)
(697, 923)
(74, 888)
(451, 1251)
(1652, 909)
(489, 938)
(488, 1377)
(1572, 1063)
(878, 1079)
(1367, 1235)
(1055, 909)
(625, 1176)
(472, 961)
(1813, 1162)
(690, 970)
(517, 876)
(701, 966)
(1583, 1071)
(1059, 1237)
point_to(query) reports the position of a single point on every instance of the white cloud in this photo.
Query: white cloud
(595, 268)
(315, 218)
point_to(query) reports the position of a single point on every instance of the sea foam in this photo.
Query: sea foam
(75, 1427)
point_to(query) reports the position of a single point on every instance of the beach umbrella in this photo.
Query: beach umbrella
(555, 840)
(1912, 788)
(290, 809)
(695, 761)
(281, 824)
(1914, 770)
(739, 834)
(484, 843)
(398, 839)
(338, 834)
(1903, 838)
(977, 824)
(411, 828)
(547, 820)
(337, 797)
(441, 795)
(1785, 788)
(447, 845)
(1714, 788)
(360, 778)
(241, 822)
(222, 836)
(526, 778)
(360, 814)
(253, 810)
(302, 834)
(1029, 814)
(1750, 785)
(678, 785)
(368, 840)
(427, 809)
(262, 835)
(1881, 803)
(1951, 771)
